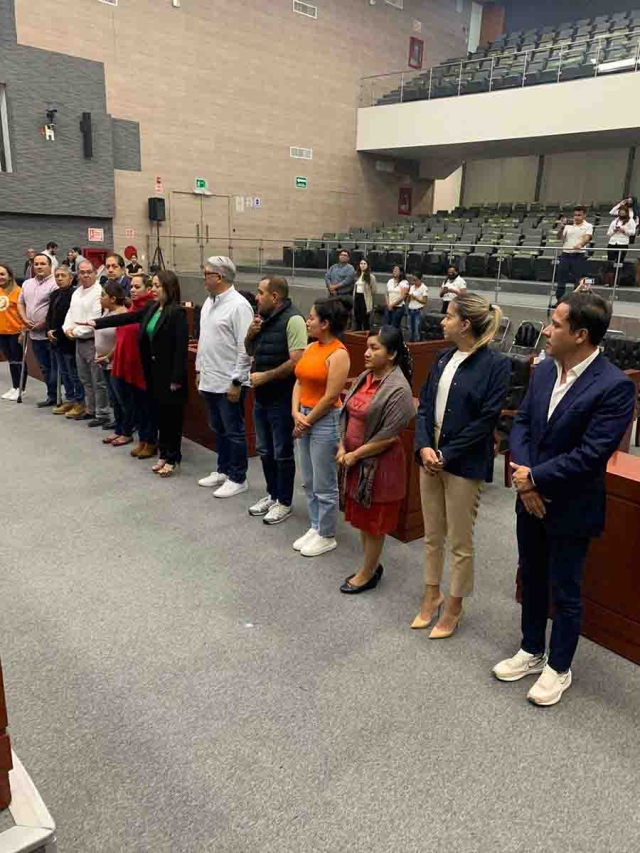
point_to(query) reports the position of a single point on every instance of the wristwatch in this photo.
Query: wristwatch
(236, 383)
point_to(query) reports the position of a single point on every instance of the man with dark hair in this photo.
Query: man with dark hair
(28, 264)
(573, 418)
(276, 340)
(341, 277)
(575, 237)
(50, 252)
(75, 257)
(116, 272)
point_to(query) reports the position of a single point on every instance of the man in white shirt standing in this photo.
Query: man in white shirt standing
(222, 374)
(575, 237)
(85, 305)
(576, 411)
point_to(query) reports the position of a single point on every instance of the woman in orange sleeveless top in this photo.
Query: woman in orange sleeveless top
(321, 374)
(10, 328)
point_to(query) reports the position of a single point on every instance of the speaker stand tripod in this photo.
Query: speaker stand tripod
(157, 262)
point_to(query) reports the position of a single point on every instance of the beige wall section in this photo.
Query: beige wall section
(501, 180)
(222, 89)
(584, 176)
(446, 193)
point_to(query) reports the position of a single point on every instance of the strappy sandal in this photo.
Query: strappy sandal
(169, 469)
(111, 438)
(121, 440)
(159, 464)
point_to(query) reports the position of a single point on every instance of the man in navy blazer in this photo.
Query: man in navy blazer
(573, 418)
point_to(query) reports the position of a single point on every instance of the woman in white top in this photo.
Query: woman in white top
(397, 292)
(459, 408)
(417, 302)
(364, 291)
(453, 285)
(620, 232)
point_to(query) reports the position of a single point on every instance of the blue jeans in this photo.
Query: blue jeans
(137, 411)
(415, 315)
(318, 447)
(227, 422)
(44, 356)
(68, 370)
(393, 316)
(550, 570)
(274, 433)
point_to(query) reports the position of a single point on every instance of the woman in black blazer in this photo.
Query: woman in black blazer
(164, 342)
(459, 408)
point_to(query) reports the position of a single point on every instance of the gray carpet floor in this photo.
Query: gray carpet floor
(180, 680)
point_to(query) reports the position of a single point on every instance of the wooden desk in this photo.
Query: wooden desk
(5, 751)
(611, 584)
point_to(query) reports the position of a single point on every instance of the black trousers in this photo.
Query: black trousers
(360, 314)
(11, 348)
(571, 266)
(169, 419)
(551, 572)
(616, 253)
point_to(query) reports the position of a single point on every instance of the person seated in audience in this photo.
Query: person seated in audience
(459, 408)
(112, 302)
(453, 285)
(620, 232)
(377, 408)
(320, 377)
(364, 293)
(127, 376)
(62, 348)
(116, 271)
(340, 277)
(397, 292)
(11, 329)
(163, 339)
(416, 303)
(575, 236)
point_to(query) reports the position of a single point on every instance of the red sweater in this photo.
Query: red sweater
(126, 362)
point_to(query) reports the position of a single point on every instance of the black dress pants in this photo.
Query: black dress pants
(169, 419)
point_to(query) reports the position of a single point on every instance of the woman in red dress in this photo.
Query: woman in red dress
(373, 466)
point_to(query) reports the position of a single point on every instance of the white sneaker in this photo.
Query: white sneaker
(229, 489)
(549, 688)
(318, 545)
(263, 506)
(299, 544)
(520, 665)
(214, 479)
(278, 512)
(11, 395)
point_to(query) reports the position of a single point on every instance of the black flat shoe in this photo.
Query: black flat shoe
(45, 404)
(372, 583)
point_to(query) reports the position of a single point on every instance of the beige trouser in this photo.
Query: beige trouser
(449, 507)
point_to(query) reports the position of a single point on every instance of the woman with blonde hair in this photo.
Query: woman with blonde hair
(459, 408)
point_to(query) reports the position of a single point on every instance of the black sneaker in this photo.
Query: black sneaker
(86, 416)
(109, 425)
(44, 404)
(97, 422)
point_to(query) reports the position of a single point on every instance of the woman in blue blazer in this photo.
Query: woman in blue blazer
(459, 408)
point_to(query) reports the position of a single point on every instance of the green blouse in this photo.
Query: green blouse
(153, 322)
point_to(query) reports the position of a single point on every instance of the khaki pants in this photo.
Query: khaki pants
(449, 507)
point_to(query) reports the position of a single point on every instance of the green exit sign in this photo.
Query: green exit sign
(301, 183)
(201, 185)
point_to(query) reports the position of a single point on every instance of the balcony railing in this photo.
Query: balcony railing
(552, 63)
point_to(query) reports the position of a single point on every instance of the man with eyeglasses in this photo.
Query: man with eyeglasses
(85, 305)
(222, 374)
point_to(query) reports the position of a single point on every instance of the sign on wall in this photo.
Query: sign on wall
(159, 186)
(201, 186)
(416, 52)
(301, 182)
(95, 235)
(404, 201)
(129, 233)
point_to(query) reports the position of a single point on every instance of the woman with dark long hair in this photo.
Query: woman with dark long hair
(460, 404)
(377, 408)
(364, 291)
(163, 340)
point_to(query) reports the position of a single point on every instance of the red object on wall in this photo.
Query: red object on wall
(96, 256)
(416, 52)
(404, 201)
(493, 23)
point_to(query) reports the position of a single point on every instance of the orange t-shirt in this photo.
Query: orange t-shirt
(10, 322)
(312, 371)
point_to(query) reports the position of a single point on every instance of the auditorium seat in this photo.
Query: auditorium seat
(431, 327)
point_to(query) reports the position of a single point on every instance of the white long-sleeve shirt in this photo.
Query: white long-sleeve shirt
(221, 357)
(621, 238)
(85, 305)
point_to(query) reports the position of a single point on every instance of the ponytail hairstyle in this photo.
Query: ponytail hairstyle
(336, 311)
(115, 290)
(483, 317)
(392, 340)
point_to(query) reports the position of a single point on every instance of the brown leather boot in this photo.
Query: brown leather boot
(137, 450)
(148, 451)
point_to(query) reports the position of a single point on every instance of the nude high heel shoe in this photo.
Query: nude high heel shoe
(419, 623)
(440, 634)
